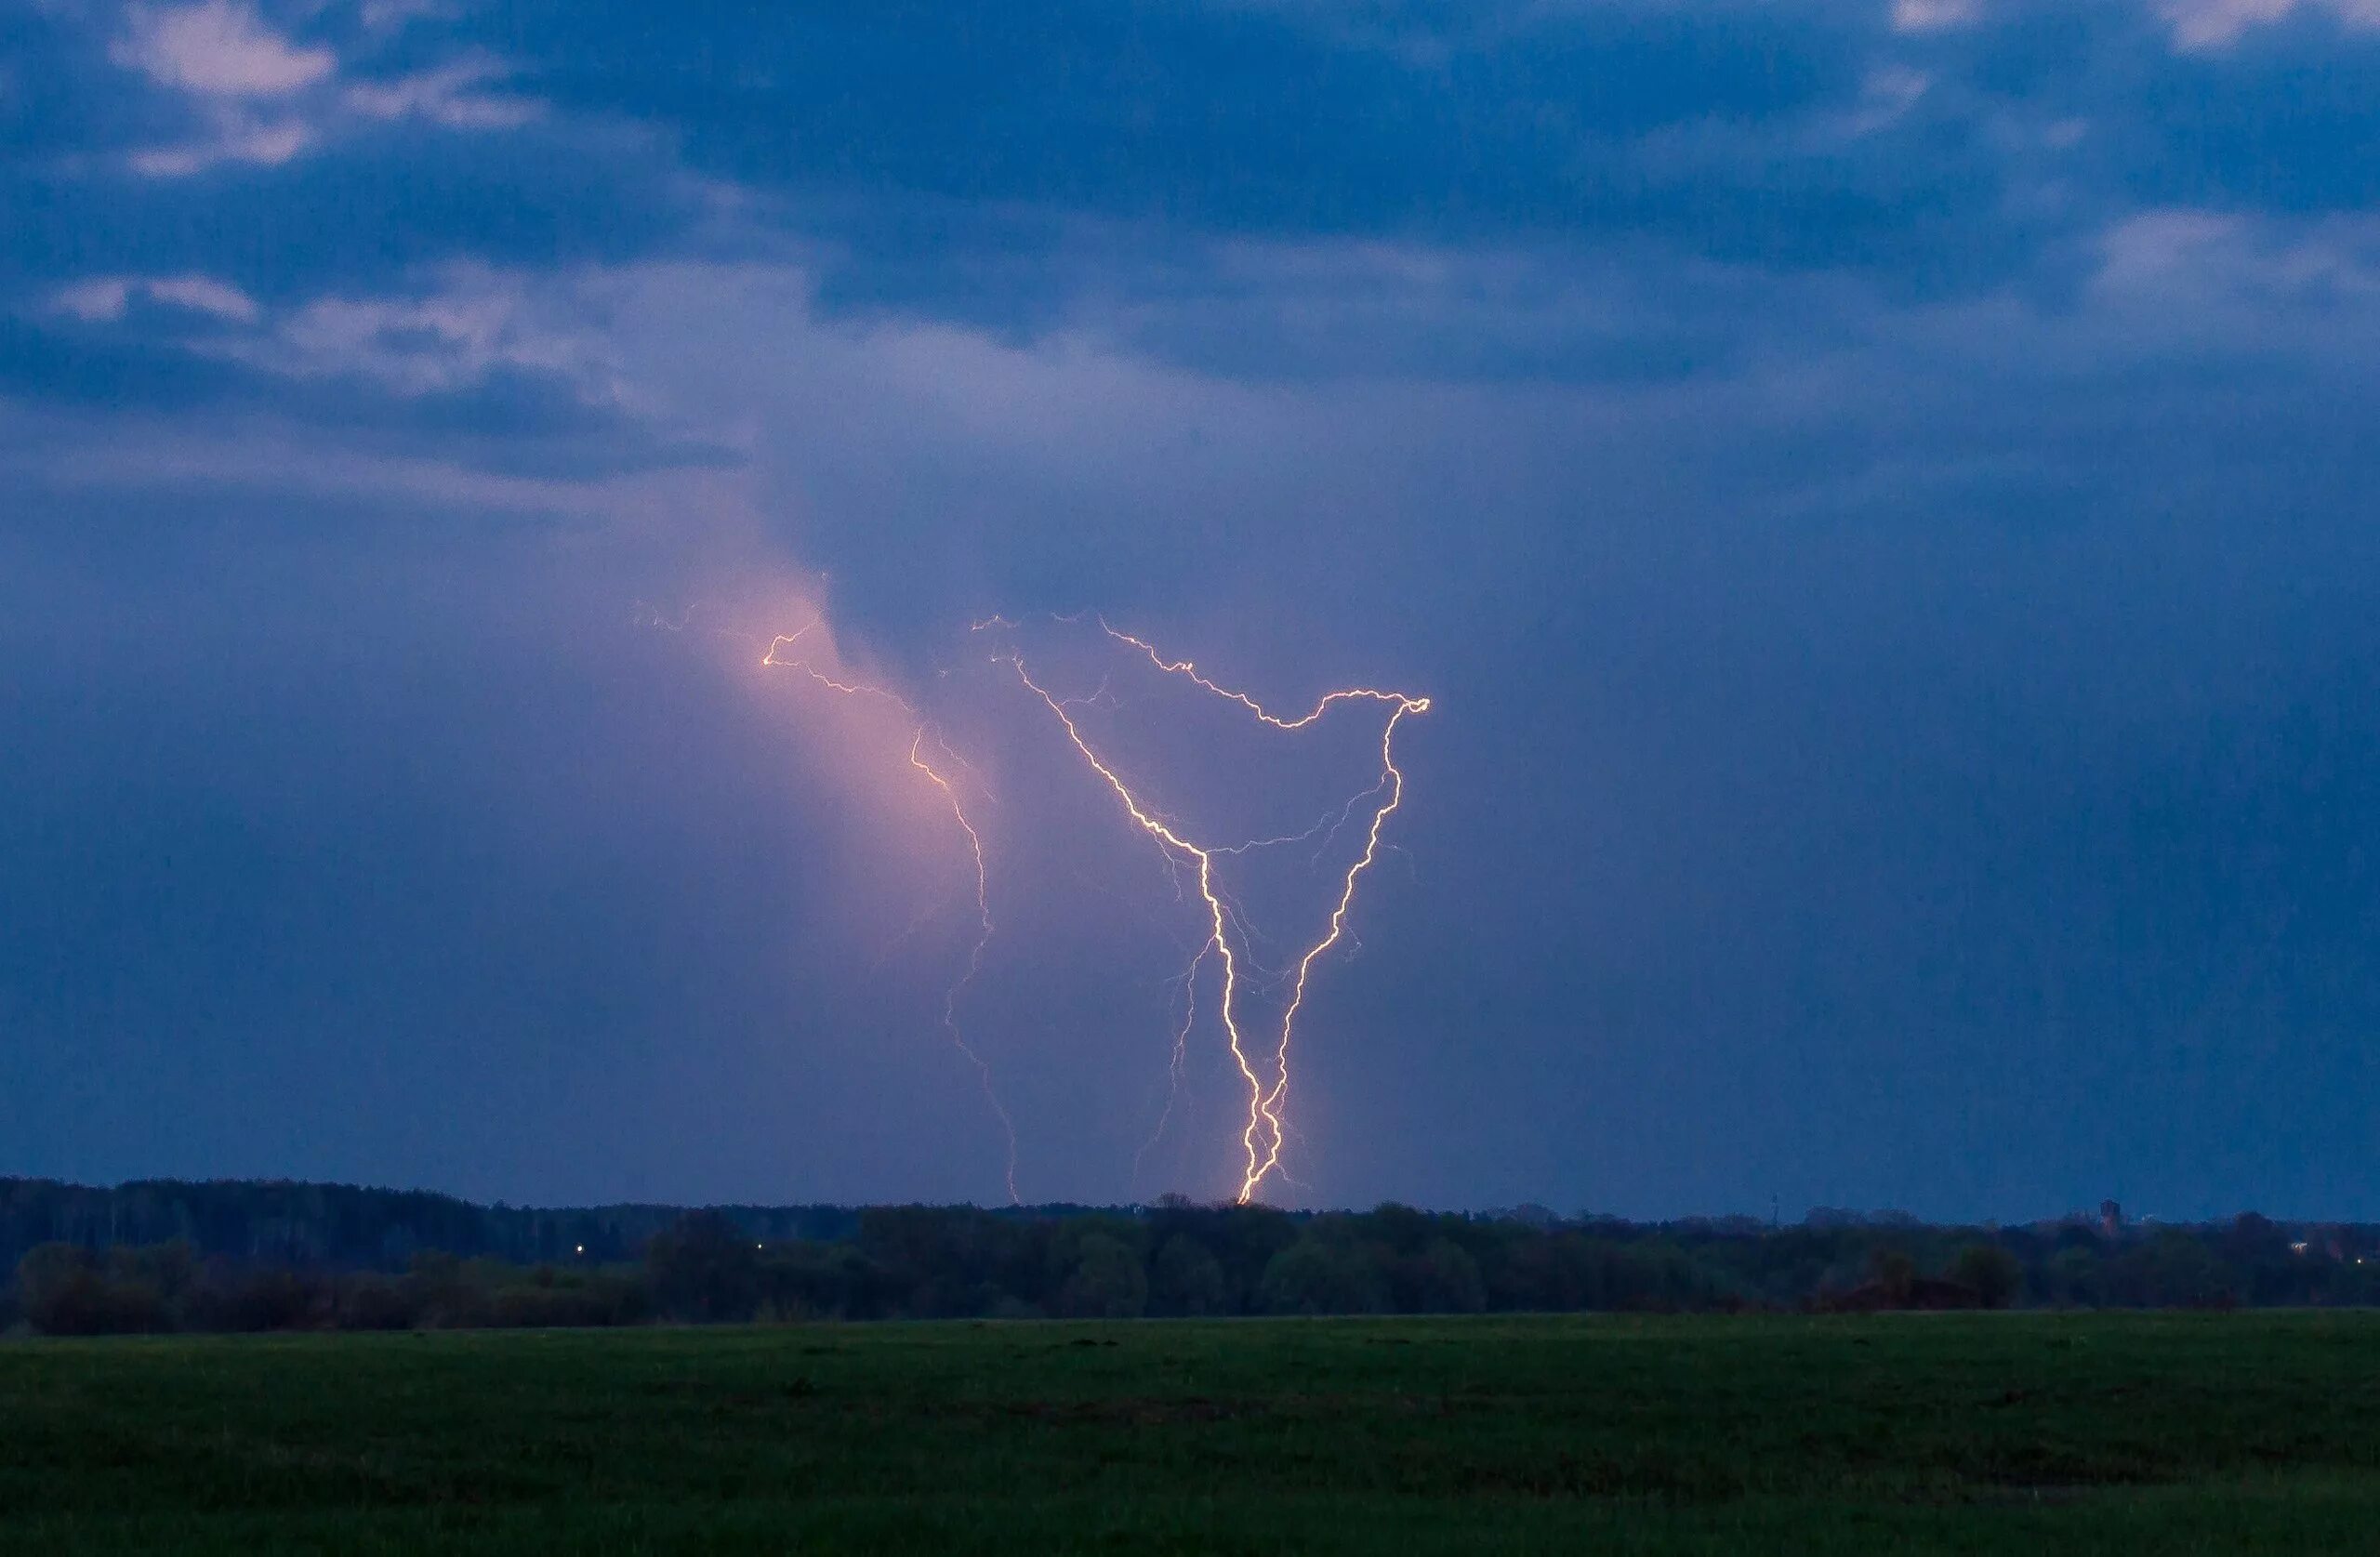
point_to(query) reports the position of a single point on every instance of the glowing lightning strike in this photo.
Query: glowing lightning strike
(1262, 1139)
(1184, 668)
(849, 689)
(976, 956)
(1396, 777)
(1189, 983)
(975, 845)
(1216, 940)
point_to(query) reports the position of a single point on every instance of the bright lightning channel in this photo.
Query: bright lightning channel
(1260, 1141)
(1188, 982)
(975, 847)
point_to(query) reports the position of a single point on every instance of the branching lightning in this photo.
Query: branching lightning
(975, 953)
(1229, 938)
(1262, 1139)
(942, 782)
(1189, 983)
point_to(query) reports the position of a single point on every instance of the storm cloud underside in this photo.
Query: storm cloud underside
(1880, 493)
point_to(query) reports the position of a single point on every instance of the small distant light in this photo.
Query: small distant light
(759, 1246)
(582, 1249)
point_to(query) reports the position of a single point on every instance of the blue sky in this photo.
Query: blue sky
(1879, 493)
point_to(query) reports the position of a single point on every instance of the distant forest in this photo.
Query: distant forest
(166, 1256)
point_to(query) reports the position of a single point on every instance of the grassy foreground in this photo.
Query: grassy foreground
(2031, 1434)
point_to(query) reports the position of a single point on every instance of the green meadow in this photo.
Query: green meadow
(2018, 1432)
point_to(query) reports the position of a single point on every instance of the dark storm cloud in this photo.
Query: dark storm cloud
(1811, 137)
(2205, 130)
(1008, 169)
(1879, 492)
(502, 418)
(1232, 117)
(361, 215)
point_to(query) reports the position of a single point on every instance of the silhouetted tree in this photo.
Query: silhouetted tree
(1992, 1273)
(64, 1292)
(375, 1303)
(1450, 1280)
(1895, 1272)
(704, 1269)
(159, 1255)
(2172, 1270)
(1318, 1276)
(1107, 1282)
(1186, 1278)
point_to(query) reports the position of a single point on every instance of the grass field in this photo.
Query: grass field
(2031, 1434)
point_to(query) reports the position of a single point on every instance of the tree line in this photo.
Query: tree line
(162, 1257)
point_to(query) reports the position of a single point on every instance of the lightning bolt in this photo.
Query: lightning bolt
(1260, 1141)
(942, 782)
(976, 955)
(1265, 1134)
(849, 689)
(1189, 983)
(1395, 777)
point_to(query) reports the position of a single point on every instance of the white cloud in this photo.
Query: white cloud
(205, 295)
(236, 140)
(2212, 278)
(392, 16)
(1935, 16)
(2196, 24)
(2201, 25)
(475, 323)
(1884, 96)
(222, 52)
(2153, 252)
(103, 298)
(218, 48)
(444, 97)
(106, 298)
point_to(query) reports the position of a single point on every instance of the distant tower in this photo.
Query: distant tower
(2110, 1217)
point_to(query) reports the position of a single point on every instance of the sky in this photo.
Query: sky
(1878, 495)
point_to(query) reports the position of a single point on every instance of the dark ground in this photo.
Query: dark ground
(2025, 1433)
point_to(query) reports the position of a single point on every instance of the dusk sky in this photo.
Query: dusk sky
(1880, 496)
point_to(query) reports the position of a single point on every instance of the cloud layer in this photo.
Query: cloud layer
(1879, 490)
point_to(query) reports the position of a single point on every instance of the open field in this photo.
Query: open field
(2117, 1434)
